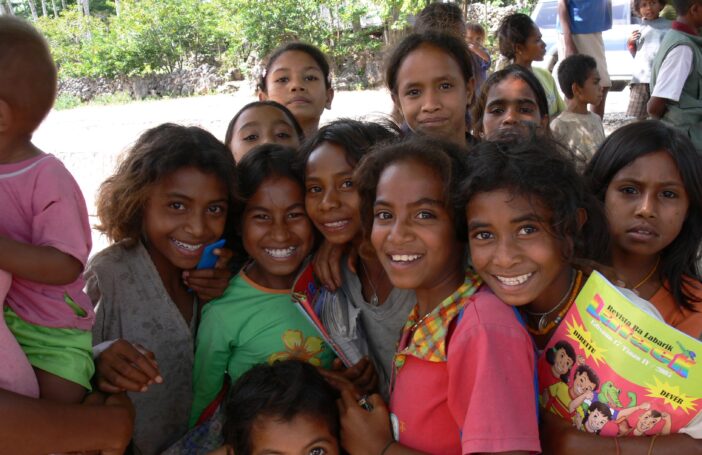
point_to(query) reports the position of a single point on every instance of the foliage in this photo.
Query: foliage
(158, 36)
(65, 101)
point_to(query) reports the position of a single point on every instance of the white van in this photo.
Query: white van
(619, 60)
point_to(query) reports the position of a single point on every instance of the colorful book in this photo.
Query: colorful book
(612, 368)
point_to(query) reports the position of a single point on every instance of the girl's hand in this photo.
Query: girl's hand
(362, 375)
(326, 263)
(126, 367)
(363, 432)
(209, 284)
(121, 429)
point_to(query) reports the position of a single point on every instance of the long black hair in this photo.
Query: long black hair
(623, 147)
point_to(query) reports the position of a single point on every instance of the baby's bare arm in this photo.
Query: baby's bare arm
(41, 264)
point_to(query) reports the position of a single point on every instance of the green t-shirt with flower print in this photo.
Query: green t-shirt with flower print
(246, 326)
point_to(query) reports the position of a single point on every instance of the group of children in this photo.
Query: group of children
(455, 242)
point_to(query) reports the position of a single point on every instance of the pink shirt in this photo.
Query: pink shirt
(482, 399)
(43, 205)
(16, 374)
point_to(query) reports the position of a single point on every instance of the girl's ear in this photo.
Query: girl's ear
(582, 217)
(5, 116)
(545, 121)
(577, 90)
(262, 96)
(330, 97)
(470, 92)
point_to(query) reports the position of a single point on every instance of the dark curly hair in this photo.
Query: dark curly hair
(575, 69)
(636, 10)
(441, 17)
(591, 375)
(449, 44)
(448, 160)
(514, 29)
(281, 392)
(289, 115)
(157, 153)
(623, 147)
(313, 51)
(544, 172)
(354, 136)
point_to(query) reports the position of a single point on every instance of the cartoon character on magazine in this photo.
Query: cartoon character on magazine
(596, 417)
(565, 400)
(611, 395)
(645, 422)
(559, 361)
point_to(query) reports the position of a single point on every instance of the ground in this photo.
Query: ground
(90, 139)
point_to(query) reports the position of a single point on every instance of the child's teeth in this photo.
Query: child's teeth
(186, 246)
(335, 224)
(405, 257)
(280, 252)
(514, 280)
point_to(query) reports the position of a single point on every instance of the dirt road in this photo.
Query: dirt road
(90, 139)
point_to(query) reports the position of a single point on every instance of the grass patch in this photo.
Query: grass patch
(65, 101)
(112, 98)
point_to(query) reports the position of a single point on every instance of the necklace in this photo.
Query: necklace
(416, 324)
(648, 275)
(544, 326)
(374, 298)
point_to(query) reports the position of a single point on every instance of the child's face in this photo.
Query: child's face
(300, 436)
(276, 232)
(432, 94)
(186, 210)
(473, 37)
(261, 125)
(513, 250)
(297, 82)
(413, 232)
(563, 362)
(650, 9)
(595, 421)
(591, 91)
(582, 384)
(646, 204)
(330, 199)
(534, 48)
(511, 105)
(646, 421)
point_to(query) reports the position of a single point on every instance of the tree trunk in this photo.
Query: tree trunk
(86, 7)
(33, 8)
(63, 5)
(118, 7)
(53, 7)
(43, 8)
(5, 9)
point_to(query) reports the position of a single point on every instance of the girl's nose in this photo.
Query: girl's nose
(279, 231)
(399, 232)
(505, 255)
(431, 102)
(195, 226)
(330, 200)
(646, 205)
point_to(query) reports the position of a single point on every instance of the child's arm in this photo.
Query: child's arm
(479, 51)
(577, 401)
(125, 367)
(31, 426)
(41, 264)
(656, 107)
(631, 42)
(557, 437)
(564, 18)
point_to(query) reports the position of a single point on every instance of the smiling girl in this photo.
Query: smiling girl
(430, 78)
(451, 393)
(169, 198)
(297, 76)
(255, 321)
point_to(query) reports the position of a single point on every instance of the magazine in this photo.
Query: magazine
(337, 322)
(612, 368)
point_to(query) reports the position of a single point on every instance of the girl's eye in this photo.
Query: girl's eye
(383, 215)
(496, 111)
(318, 451)
(526, 230)
(348, 183)
(669, 194)
(412, 92)
(445, 85)
(216, 209)
(425, 215)
(283, 135)
(526, 110)
(251, 138)
(261, 217)
(282, 79)
(311, 77)
(628, 190)
(177, 205)
(314, 189)
(296, 215)
(483, 236)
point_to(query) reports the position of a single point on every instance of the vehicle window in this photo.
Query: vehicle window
(546, 17)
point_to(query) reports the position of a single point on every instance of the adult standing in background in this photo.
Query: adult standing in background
(581, 23)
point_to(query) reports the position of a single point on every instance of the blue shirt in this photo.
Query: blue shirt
(589, 16)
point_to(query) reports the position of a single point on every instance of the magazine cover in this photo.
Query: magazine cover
(613, 369)
(335, 320)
